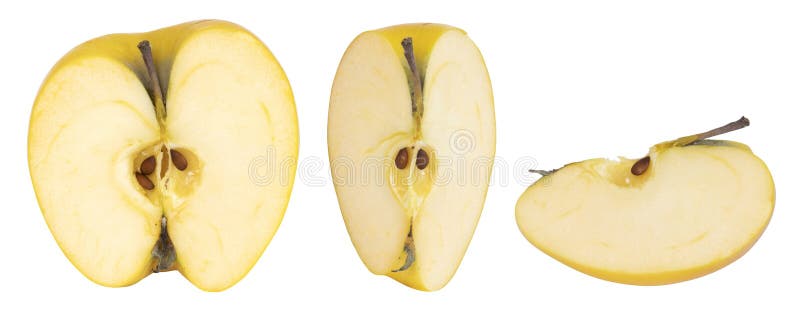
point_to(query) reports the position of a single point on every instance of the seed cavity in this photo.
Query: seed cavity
(178, 160)
(422, 159)
(401, 160)
(148, 165)
(144, 181)
(640, 166)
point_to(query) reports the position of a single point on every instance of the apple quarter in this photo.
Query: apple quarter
(689, 208)
(409, 104)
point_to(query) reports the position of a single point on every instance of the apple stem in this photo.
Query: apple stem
(641, 166)
(542, 172)
(416, 99)
(155, 85)
(730, 127)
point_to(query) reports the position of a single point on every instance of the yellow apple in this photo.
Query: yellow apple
(140, 157)
(411, 140)
(690, 207)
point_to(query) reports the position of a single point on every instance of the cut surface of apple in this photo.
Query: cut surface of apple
(691, 207)
(411, 139)
(140, 168)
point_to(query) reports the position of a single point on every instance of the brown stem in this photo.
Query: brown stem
(542, 172)
(164, 161)
(641, 166)
(730, 127)
(155, 84)
(416, 99)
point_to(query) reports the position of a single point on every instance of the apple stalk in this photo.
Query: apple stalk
(641, 165)
(416, 82)
(159, 101)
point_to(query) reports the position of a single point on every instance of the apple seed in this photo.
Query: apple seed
(144, 181)
(422, 159)
(640, 166)
(164, 161)
(178, 160)
(401, 161)
(148, 165)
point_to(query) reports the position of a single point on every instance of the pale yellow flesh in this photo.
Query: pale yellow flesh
(696, 209)
(370, 120)
(91, 117)
(228, 104)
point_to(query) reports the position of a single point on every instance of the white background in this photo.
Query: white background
(572, 80)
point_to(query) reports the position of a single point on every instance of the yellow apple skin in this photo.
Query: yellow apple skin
(425, 38)
(121, 49)
(618, 173)
(424, 35)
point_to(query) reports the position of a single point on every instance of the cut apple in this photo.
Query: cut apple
(690, 207)
(140, 158)
(411, 139)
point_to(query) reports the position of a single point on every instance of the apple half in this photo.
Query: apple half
(411, 140)
(142, 159)
(689, 208)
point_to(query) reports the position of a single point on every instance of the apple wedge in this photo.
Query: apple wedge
(140, 157)
(688, 208)
(411, 140)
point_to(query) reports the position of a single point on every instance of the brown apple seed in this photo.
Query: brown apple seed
(401, 161)
(144, 181)
(164, 161)
(178, 160)
(422, 159)
(640, 166)
(148, 165)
